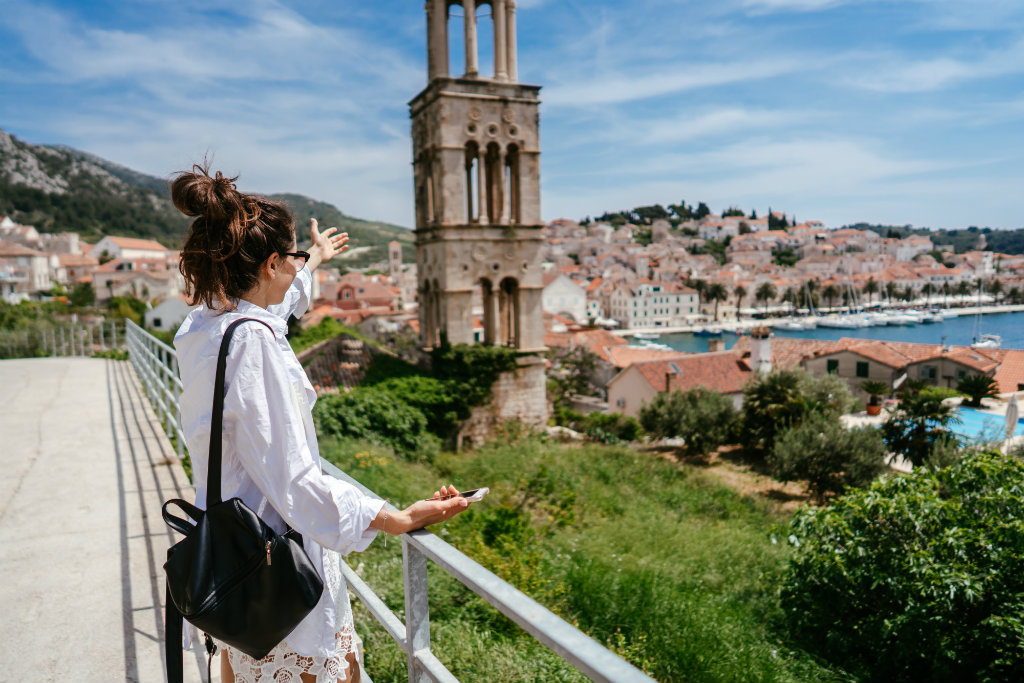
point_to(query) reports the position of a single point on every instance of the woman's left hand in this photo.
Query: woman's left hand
(445, 504)
(325, 245)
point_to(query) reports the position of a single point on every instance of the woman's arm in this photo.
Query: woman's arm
(420, 514)
(264, 427)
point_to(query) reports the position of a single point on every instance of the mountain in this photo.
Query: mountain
(368, 240)
(59, 189)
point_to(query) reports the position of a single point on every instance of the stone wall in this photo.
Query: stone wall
(519, 394)
(338, 363)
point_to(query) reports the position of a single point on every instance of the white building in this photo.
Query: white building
(167, 315)
(130, 248)
(649, 304)
(564, 297)
(22, 271)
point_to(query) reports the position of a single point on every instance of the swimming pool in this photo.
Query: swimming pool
(976, 425)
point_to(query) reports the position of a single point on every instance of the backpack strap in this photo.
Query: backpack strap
(213, 477)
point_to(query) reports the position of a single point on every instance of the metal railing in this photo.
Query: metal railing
(60, 339)
(156, 364)
(157, 367)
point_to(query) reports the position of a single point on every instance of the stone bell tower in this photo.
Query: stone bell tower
(476, 159)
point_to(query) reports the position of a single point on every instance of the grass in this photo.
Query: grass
(668, 567)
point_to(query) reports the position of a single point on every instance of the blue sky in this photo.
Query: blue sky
(838, 110)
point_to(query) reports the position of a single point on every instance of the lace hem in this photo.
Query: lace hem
(283, 665)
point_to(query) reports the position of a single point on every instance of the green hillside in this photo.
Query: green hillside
(362, 233)
(59, 189)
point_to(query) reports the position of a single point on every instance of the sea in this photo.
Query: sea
(959, 331)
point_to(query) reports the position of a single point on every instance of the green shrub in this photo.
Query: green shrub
(82, 295)
(127, 307)
(919, 578)
(378, 416)
(384, 366)
(113, 354)
(328, 328)
(440, 402)
(781, 399)
(828, 456)
(474, 368)
(601, 426)
(940, 393)
(705, 419)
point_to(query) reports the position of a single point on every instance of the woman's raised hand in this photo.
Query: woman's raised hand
(325, 245)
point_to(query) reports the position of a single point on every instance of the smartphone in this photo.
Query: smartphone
(473, 495)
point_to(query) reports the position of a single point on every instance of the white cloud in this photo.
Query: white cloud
(896, 73)
(618, 86)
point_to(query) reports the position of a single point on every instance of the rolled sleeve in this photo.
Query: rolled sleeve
(269, 442)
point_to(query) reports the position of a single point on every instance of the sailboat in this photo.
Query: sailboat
(984, 341)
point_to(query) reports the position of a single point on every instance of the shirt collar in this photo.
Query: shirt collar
(246, 309)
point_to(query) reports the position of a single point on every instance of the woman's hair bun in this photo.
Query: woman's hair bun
(197, 193)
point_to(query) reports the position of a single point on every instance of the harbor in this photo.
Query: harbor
(989, 326)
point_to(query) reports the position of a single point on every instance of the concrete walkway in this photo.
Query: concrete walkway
(84, 469)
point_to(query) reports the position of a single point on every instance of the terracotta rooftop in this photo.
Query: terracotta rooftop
(135, 243)
(724, 371)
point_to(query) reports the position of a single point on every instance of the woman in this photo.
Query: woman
(240, 261)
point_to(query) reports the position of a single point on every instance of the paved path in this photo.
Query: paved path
(84, 469)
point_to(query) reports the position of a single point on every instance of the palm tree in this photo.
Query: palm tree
(716, 292)
(918, 423)
(928, 290)
(946, 291)
(1014, 294)
(870, 288)
(739, 292)
(977, 387)
(830, 292)
(701, 286)
(963, 288)
(890, 290)
(995, 288)
(874, 389)
(765, 293)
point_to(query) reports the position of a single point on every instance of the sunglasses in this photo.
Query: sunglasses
(302, 255)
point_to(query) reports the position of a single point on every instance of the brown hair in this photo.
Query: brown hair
(231, 237)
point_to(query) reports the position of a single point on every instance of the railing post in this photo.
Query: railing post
(417, 609)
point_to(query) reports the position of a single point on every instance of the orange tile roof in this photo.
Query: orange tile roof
(135, 243)
(624, 356)
(723, 371)
(597, 340)
(1010, 375)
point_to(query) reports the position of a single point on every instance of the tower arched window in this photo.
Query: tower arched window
(509, 312)
(495, 182)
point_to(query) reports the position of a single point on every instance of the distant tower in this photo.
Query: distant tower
(395, 260)
(476, 157)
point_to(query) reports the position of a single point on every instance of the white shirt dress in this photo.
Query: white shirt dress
(271, 461)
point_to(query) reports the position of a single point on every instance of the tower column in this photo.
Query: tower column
(469, 9)
(481, 186)
(503, 194)
(513, 53)
(437, 38)
(500, 38)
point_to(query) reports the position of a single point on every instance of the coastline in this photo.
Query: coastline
(747, 324)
